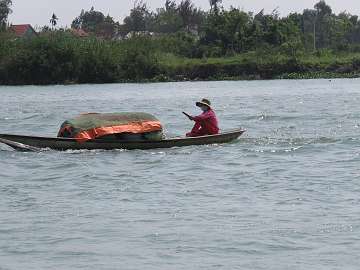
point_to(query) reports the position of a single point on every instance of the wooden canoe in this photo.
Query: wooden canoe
(30, 143)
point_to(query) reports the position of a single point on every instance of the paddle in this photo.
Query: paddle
(19, 146)
(188, 115)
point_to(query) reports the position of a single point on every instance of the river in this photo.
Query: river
(284, 196)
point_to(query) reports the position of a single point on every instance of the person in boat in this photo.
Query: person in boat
(205, 123)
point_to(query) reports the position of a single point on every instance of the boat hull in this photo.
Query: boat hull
(63, 144)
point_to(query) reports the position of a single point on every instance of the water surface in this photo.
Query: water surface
(284, 196)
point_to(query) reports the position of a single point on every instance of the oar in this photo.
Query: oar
(19, 146)
(188, 115)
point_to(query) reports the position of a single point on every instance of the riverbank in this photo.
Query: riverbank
(257, 66)
(203, 70)
(65, 60)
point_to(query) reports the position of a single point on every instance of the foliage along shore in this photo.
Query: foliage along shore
(62, 59)
(182, 42)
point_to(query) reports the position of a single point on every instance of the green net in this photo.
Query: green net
(96, 125)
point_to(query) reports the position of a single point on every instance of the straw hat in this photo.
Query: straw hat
(205, 102)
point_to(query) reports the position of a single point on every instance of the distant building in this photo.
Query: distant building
(23, 30)
(79, 33)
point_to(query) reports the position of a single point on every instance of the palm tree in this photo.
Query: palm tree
(54, 20)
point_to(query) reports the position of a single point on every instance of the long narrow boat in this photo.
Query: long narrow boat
(31, 143)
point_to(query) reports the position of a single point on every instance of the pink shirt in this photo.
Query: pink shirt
(208, 122)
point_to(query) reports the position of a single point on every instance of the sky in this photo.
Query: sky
(38, 12)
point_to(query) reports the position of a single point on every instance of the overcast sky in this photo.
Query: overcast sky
(38, 12)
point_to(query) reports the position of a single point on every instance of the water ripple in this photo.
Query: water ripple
(284, 196)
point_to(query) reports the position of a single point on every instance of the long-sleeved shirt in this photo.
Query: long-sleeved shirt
(205, 124)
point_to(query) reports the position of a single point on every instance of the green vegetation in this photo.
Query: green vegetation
(182, 42)
(4, 12)
(62, 58)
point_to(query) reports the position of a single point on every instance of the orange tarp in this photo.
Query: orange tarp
(135, 127)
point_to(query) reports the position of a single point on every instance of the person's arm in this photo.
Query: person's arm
(202, 117)
(188, 116)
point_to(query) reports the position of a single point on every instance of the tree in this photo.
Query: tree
(54, 20)
(322, 24)
(354, 33)
(322, 8)
(236, 29)
(228, 31)
(77, 22)
(290, 29)
(270, 27)
(309, 29)
(341, 27)
(89, 20)
(190, 15)
(175, 18)
(170, 5)
(107, 28)
(353, 19)
(167, 19)
(95, 22)
(4, 12)
(214, 5)
(139, 19)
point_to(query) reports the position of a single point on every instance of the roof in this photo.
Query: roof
(79, 32)
(21, 29)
